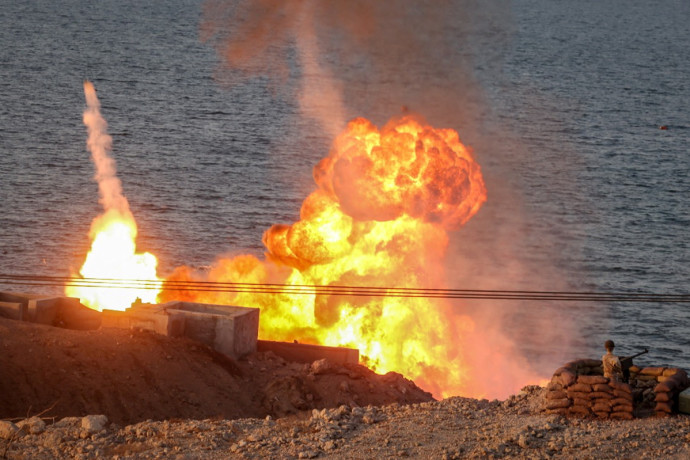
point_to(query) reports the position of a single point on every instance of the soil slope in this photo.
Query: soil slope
(134, 376)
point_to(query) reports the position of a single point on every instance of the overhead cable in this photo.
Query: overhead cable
(340, 290)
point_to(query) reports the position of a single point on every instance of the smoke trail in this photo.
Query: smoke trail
(267, 28)
(320, 94)
(99, 144)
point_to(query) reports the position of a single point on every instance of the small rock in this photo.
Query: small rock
(68, 422)
(52, 440)
(308, 454)
(9, 430)
(320, 366)
(33, 425)
(94, 423)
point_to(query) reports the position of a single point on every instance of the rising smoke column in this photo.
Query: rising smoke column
(271, 28)
(113, 234)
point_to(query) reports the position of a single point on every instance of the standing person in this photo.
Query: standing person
(611, 363)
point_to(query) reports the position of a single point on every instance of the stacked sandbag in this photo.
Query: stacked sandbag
(556, 400)
(622, 406)
(581, 394)
(602, 394)
(585, 367)
(643, 389)
(580, 389)
(671, 382)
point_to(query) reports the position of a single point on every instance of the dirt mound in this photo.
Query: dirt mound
(134, 376)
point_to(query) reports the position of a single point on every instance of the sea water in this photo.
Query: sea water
(562, 103)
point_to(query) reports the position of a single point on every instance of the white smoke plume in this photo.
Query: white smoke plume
(99, 143)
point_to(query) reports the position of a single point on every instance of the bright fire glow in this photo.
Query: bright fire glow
(113, 234)
(384, 202)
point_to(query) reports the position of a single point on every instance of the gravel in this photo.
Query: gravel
(449, 429)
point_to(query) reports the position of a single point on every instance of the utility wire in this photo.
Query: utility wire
(356, 291)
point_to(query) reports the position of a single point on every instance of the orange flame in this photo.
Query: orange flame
(113, 234)
(379, 217)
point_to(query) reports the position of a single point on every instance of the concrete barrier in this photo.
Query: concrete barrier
(65, 312)
(12, 310)
(306, 353)
(227, 329)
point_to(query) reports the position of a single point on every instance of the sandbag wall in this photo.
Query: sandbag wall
(663, 384)
(579, 388)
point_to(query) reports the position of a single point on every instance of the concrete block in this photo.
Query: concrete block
(66, 312)
(150, 322)
(246, 332)
(198, 326)
(684, 401)
(15, 297)
(44, 311)
(6, 296)
(305, 353)
(115, 318)
(12, 310)
(227, 329)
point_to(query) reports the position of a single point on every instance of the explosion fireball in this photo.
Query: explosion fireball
(379, 217)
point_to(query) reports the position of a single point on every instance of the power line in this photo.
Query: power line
(338, 290)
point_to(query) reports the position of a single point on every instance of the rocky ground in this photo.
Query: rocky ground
(263, 407)
(452, 428)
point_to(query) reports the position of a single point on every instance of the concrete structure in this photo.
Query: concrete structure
(65, 312)
(12, 310)
(305, 353)
(227, 329)
(684, 401)
(230, 330)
